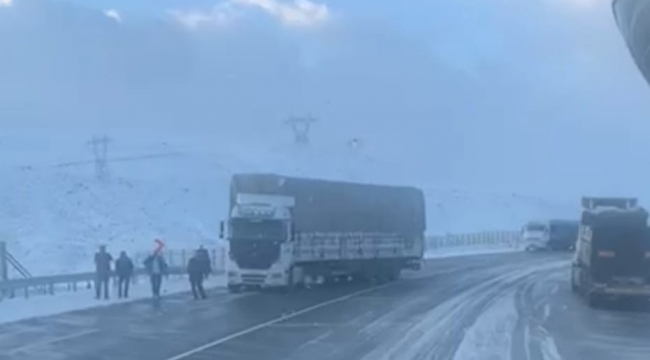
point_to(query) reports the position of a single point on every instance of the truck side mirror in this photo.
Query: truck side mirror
(294, 234)
(221, 229)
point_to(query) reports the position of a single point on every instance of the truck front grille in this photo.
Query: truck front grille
(253, 279)
(254, 254)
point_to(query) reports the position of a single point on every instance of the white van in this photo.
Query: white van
(534, 236)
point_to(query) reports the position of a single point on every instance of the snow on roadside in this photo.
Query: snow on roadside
(490, 337)
(549, 349)
(468, 251)
(38, 306)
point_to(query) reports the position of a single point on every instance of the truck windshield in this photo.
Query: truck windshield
(257, 229)
(535, 228)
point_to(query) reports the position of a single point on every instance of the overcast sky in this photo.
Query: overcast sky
(536, 94)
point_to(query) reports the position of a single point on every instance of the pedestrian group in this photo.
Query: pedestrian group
(198, 269)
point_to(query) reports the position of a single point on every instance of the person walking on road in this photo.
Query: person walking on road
(205, 258)
(156, 267)
(124, 269)
(196, 269)
(102, 272)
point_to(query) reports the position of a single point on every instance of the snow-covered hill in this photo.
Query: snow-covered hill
(53, 217)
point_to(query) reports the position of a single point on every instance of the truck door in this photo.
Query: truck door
(620, 253)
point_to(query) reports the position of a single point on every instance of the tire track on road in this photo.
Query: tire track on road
(440, 331)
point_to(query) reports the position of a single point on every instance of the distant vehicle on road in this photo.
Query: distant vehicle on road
(286, 231)
(562, 234)
(612, 258)
(550, 235)
(534, 235)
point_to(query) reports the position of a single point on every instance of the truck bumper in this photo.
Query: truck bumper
(414, 264)
(264, 279)
(632, 291)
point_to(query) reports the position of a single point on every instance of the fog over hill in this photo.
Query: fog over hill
(501, 112)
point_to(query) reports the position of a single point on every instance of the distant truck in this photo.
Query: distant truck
(562, 234)
(550, 235)
(285, 231)
(534, 235)
(612, 258)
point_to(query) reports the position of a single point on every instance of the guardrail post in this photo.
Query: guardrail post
(3, 266)
(223, 259)
(3, 262)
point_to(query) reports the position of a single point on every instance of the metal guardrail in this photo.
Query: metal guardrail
(11, 260)
(177, 261)
(485, 239)
(28, 286)
(48, 284)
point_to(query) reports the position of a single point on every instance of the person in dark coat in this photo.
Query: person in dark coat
(124, 269)
(102, 272)
(205, 258)
(156, 267)
(196, 269)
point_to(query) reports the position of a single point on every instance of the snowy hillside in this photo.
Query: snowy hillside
(54, 217)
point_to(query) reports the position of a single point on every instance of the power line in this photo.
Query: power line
(301, 127)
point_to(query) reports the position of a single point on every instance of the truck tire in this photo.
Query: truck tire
(574, 286)
(594, 300)
(329, 280)
(394, 274)
(234, 289)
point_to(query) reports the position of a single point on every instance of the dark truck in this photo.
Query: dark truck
(612, 258)
(562, 234)
(284, 231)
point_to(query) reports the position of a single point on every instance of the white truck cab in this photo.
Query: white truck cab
(259, 231)
(535, 235)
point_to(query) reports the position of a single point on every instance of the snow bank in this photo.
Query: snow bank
(38, 306)
(490, 337)
(468, 251)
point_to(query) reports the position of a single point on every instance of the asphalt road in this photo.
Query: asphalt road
(511, 306)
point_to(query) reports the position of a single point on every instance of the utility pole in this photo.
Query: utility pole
(99, 147)
(4, 274)
(301, 127)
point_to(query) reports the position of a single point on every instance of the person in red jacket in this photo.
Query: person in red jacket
(156, 267)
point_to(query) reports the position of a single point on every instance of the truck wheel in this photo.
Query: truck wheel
(394, 274)
(574, 287)
(331, 280)
(594, 300)
(234, 289)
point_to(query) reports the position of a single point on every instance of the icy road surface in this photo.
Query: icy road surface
(514, 306)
